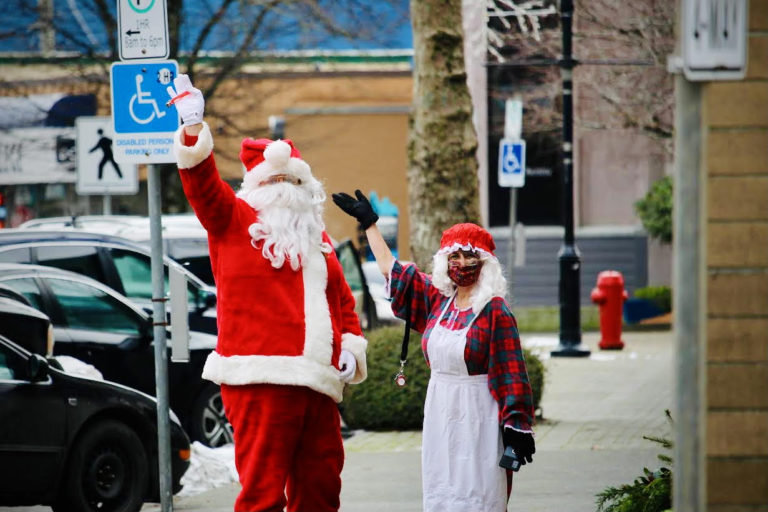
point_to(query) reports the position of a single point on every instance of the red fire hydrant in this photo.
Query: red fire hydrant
(610, 296)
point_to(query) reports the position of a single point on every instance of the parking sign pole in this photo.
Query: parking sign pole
(159, 324)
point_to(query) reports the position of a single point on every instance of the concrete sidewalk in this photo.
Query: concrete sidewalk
(595, 413)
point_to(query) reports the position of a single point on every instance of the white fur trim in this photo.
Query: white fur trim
(510, 427)
(286, 370)
(357, 345)
(278, 153)
(293, 166)
(318, 341)
(189, 156)
(464, 247)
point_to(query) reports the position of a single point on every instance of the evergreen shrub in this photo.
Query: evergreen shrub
(655, 210)
(380, 404)
(650, 492)
(660, 296)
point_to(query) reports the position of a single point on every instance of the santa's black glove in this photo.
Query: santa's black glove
(521, 442)
(359, 208)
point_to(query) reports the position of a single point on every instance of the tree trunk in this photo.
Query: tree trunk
(442, 169)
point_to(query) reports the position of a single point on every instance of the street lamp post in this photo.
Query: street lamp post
(569, 257)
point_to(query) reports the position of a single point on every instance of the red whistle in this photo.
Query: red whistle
(177, 98)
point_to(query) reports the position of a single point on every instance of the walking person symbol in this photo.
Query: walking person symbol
(105, 144)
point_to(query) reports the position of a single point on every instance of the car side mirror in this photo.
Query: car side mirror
(37, 368)
(146, 329)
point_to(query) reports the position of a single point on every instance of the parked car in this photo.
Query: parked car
(114, 261)
(184, 238)
(186, 241)
(95, 324)
(35, 329)
(74, 443)
(377, 285)
(365, 304)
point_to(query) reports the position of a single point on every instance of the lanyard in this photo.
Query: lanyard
(400, 375)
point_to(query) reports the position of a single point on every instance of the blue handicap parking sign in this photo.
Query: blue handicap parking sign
(511, 163)
(139, 97)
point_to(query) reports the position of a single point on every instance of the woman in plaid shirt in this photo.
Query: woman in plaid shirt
(479, 398)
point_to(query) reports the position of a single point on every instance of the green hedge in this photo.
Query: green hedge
(379, 404)
(661, 296)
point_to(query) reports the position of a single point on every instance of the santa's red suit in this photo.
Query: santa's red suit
(280, 335)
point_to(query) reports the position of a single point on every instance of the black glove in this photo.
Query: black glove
(359, 208)
(521, 442)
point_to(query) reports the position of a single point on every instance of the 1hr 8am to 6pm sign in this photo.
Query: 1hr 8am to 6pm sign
(142, 29)
(143, 124)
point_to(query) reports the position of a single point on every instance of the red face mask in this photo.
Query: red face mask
(466, 275)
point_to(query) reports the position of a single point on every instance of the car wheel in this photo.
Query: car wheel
(208, 423)
(107, 471)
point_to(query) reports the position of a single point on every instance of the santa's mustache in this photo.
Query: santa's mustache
(277, 195)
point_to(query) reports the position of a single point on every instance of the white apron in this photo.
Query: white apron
(461, 442)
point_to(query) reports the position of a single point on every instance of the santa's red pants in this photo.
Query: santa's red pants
(287, 440)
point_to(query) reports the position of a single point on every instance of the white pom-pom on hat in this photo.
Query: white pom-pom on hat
(278, 154)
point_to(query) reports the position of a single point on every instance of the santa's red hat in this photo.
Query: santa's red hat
(265, 157)
(467, 237)
(252, 151)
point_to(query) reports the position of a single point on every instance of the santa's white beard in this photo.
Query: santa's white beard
(290, 221)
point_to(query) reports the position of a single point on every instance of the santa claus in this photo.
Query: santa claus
(289, 338)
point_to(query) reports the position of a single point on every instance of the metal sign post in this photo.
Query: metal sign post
(159, 324)
(144, 126)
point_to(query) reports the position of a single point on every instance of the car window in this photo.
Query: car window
(77, 258)
(135, 272)
(87, 307)
(10, 365)
(348, 260)
(18, 255)
(27, 286)
(5, 371)
(200, 266)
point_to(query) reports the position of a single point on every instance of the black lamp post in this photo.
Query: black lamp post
(569, 257)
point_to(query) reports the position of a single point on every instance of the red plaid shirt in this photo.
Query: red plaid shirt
(493, 343)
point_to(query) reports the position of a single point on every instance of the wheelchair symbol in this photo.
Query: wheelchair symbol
(143, 98)
(512, 163)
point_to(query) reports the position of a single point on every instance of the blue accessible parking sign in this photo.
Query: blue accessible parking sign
(143, 124)
(511, 163)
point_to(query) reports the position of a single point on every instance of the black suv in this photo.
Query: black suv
(73, 443)
(96, 325)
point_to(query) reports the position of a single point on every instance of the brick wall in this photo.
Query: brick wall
(735, 118)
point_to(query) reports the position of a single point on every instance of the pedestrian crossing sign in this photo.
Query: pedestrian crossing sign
(98, 172)
(511, 163)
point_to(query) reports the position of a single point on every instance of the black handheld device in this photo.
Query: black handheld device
(509, 459)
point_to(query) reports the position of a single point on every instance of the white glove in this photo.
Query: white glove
(191, 105)
(347, 365)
